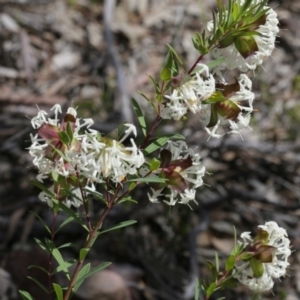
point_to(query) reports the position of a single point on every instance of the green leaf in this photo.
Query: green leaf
(42, 187)
(25, 295)
(86, 273)
(58, 290)
(41, 244)
(174, 53)
(38, 267)
(197, 289)
(211, 289)
(38, 283)
(127, 199)
(64, 138)
(148, 179)
(56, 254)
(140, 116)
(68, 264)
(213, 116)
(230, 263)
(118, 226)
(70, 213)
(64, 223)
(70, 131)
(154, 164)
(156, 145)
(42, 221)
(83, 252)
(217, 263)
(256, 267)
(79, 280)
(166, 73)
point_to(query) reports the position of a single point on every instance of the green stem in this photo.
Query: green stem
(88, 244)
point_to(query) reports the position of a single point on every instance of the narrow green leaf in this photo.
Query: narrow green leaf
(97, 269)
(41, 220)
(64, 138)
(118, 226)
(38, 283)
(230, 263)
(174, 53)
(37, 267)
(25, 295)
(56, 254)
(197, 289)
(165, 73)
(69, 131)
(42, 187)
(66, 245)
(140, 116)
(80, 277)
(154, 164)
(58, 290)
(70, 212)
(217, 262)
(156, 145)
(64, 223)
(83, 252)
(211, 289)
(149, 179)
(68, 264)
(41, 244)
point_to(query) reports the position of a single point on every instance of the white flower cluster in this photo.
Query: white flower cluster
(192, 176)
(265, 42)
(277, 238)
(92, 157)
(196, 95)
(189, 96)
(235, 126)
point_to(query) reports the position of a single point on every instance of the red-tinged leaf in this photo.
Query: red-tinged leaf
(228, 90)
(48, 132)
(68, 119)
(175, 181)
(181, 164)
(228, 109)
(166, 157)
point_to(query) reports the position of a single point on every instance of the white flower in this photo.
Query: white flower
(235, 126)
(82, 153)
(265, 41)
(189, 96)
(192, 175)
(110, 158)
(278, 240)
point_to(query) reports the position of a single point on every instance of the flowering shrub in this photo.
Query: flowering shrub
(78, 159)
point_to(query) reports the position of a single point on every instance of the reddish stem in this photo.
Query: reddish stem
(195, 64)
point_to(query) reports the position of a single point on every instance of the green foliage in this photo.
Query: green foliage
(58, 291)
(230, 263)
(25, 295)
(160, 142)
(118, 226)
(197, 289)
(85, 272)
(140, 116)
(170, 66)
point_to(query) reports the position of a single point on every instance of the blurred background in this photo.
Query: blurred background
(96, 55)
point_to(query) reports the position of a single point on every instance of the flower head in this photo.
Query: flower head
(225, 107)
(69, 155)
(252, 41)
(266, 257)
(188, 96)
(183, 172)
